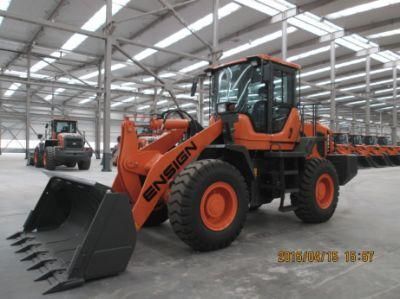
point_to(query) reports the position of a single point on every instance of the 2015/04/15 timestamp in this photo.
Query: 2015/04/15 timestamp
(321, 256)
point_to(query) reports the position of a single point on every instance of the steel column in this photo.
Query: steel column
(284, 39)
(368, 93)
(97, 122)
(107, 89)
(333, 89)
(28, 105)
(215, 37)
(394, 111)
(353, 121)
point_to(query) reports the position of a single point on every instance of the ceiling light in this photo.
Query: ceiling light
(84, 101)
(378, 105)
(128, 100)
(339, 99)
(191, 111)
(318, 94)
(186, 105)
(361, 8)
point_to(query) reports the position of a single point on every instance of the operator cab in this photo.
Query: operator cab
(341, 138)
(382, 140)
(262, 87)
(357, 139)
(370, 140)
(63, 126)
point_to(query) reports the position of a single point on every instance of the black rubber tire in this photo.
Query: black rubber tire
(39, 160)
(70, 164)
(158, 216)
(184, 204)
(84, 164)
(307, 208)
(50, 158)
(253, 208)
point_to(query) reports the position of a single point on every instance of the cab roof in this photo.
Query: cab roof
(264, 57)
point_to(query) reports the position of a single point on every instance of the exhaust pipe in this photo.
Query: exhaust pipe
(78, 231)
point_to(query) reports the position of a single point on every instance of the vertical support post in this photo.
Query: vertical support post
(97, 122)
(28, 104)
(353, 121)
(368, 93)
(107, 89)
(380, 124)
(333, 90)
(394, 111)
(215, 32)
(200, 112)
(284, 39)
(1, 128)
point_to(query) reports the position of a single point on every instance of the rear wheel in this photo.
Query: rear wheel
(208, 204)
(319, 191)
(49, 158)
(84, 164)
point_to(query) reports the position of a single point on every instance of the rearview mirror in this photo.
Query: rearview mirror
(39, 136)
(194, 88)
(46, 126)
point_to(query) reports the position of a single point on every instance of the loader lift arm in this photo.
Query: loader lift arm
(158, 162)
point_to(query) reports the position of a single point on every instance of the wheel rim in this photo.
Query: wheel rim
(44, 159)
(324, 191)
(218, 206)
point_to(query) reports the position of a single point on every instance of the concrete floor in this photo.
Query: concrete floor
(162, 266)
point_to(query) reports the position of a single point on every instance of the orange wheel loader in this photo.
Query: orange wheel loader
(366, 157)
(343, 144)
(255, 149)
(392, 151)
(371, 143)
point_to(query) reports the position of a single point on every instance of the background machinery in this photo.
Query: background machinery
(62, 145)
(256, 149)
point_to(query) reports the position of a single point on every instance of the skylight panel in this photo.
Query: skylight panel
(56, 92)
(129, 100)
(377, 105)
(4, 4)
(339, 99)
(361, 8)
(143, 107)
(355, 103)
(256, 5)
(309, 53)
(194, 66)
(116, 104)
(181, 34)
(385, 34)
(256, 42)
(74, 41)
(318, 94)
(84, 101)
(162, 102)
(306, 26)
(10, 91)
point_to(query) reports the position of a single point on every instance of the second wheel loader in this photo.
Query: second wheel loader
(255, 149)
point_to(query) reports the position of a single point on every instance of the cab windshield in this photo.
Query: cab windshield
(341, 139)
(357, 139)
(65, 127)
(240, 84)
(383, 141)
(370, 140)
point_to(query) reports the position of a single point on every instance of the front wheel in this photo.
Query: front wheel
(208, 204)
(319, 191)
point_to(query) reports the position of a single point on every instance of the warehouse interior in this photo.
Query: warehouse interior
(100, 62)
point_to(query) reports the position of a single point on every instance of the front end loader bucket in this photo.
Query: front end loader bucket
(380, 160)
(365, 162)
(395, 159)
(78, 231)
